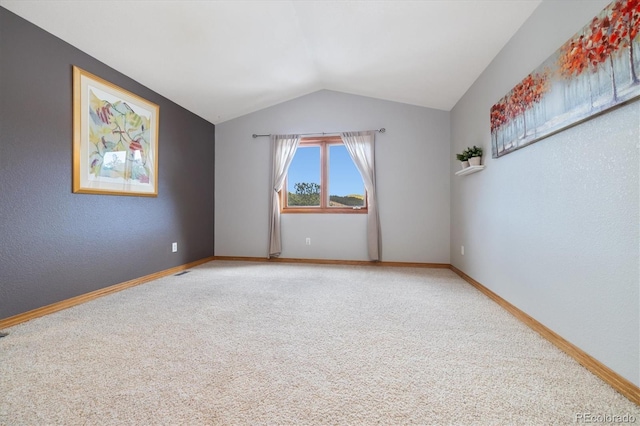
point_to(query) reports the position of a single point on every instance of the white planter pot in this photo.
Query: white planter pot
(464, 164)
(475, 161)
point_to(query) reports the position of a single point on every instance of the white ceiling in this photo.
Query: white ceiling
(224, 59)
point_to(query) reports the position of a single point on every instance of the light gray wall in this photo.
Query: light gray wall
(412, 178)
(554, 227)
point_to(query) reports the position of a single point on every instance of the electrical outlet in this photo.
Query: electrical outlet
(308, 241)
(174, 247)
(462, 250)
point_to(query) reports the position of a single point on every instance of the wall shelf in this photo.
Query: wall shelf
(469, 170)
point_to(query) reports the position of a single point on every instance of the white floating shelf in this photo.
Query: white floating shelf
(469, 170)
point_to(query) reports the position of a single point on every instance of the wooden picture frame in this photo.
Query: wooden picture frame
(115, 139)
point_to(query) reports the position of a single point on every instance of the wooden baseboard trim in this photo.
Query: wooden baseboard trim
(77, 300)
(619, 383)
(335, 262)
(242, 258)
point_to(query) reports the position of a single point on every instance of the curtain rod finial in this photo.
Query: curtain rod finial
(255, 136)
(382, 130)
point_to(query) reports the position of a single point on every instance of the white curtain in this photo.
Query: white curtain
(283, 148)
(361, 147)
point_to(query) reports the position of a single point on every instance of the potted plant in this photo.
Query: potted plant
(463, 158)
(474, 155)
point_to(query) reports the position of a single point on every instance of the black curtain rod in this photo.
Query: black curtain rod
(381, 130)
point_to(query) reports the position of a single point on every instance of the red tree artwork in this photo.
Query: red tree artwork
(601, 46)
(625, 19)
(593, 71)
(512, 109)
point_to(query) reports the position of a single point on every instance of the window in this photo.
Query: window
(323, 179)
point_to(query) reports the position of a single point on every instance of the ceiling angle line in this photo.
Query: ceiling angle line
(380, 130)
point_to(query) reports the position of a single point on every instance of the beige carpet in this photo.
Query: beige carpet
(235, 343)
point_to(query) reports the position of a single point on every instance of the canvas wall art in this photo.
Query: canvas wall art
(595, 70)
(115, 139)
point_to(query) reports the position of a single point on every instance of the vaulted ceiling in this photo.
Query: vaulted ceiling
(224, 59)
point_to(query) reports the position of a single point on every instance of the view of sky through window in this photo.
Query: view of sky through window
(344, 178)
(305, 167)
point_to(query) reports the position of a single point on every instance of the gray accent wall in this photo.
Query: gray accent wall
(412, 181)
(55, 244)
(554, 228)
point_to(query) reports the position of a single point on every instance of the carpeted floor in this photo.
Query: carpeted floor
(234, 343)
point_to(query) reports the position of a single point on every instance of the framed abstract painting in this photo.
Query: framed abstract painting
(115, 139)
(595, 70)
